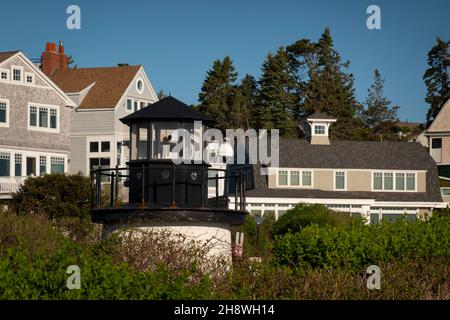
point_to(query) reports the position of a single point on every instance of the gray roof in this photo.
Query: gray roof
(387, 155)
(320, 115)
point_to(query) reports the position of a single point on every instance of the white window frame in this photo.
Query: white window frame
(22, 74)
(316, 126)
(137, 87)
(7, 74)
(48, 107)
(345, 180)
(5, 124)
(29, 74)
(394, 178)
(300, 178)
(126, 104)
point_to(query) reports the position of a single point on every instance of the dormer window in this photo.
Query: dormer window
(319, 129)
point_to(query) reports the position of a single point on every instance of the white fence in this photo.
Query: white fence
(9, 185)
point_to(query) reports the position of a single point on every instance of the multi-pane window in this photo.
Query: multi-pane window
(142, 105)
(42, 165)
(378, 181)
(388, 181)
(3, 109)
(295, 178)
(399, 181)
(17, 75)
(53, 118)
(119, 152)
(43, 117)
(129, 104)
(282, 178)
(18, 165)
(410, 181)
(319, 129)
(33, 116)
(29, 79)
(4, 75)
(4, 164)
(339, 180)
(306, 178)
(57, 165)
(136, 106)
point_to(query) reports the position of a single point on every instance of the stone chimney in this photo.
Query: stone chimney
(319, 124)
(52, 60)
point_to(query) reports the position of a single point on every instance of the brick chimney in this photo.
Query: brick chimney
(51, 60)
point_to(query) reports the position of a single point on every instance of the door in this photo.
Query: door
(31, 166)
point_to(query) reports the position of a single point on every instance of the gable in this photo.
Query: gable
(21, 62)
(108, 85)
(442, 121)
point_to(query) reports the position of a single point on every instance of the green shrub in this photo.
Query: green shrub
(356, 246)
(54, 195)
(304, 215)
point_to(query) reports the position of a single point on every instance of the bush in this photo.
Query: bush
(304, 215)
(358, 246)
(54, 195)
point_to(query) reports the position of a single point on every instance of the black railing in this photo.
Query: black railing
(220, 184)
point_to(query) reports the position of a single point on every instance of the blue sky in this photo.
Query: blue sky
(177, 41)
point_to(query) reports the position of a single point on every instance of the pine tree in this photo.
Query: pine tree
(218, 90)
(277, 93)
(379, 115)
(436, 78)
(324, 85)
(243, 108)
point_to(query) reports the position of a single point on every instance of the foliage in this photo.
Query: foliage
(355, 246)
(277, 92)
(302, 215)
(243, 105)
(218, 90)
(379, 115)
(436, 78)
(54, 195)
(34, 257)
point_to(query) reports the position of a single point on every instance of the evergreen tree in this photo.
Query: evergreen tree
(324, 85)
(217, 92)
(242, 111)
(277, 93)
(379, 115)
(436, 78)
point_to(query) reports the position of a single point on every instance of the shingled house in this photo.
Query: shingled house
(377, 180)
(103, 95)
(34, 123)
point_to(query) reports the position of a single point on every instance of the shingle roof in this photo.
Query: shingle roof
(320, 116)
(110, 84)
(168, 108)
(6, 55)
(295, 153)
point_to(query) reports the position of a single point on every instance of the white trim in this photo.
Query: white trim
(7, 75)
(5, 124)
(394, 184)
(142, 85)
(16, 67)
(42, 76)
(334, 180)
(300, 178)
(29, 74)
(48, 107)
